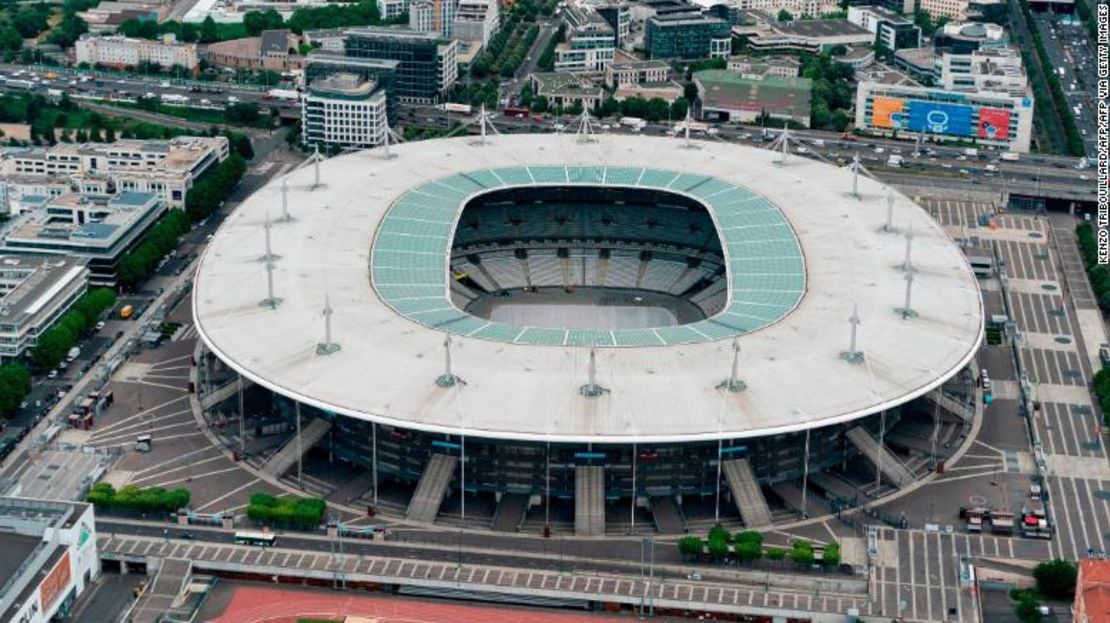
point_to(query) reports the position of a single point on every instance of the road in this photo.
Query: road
(1070, 49)
(548, 28)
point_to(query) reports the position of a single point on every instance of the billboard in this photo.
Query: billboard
(994, 123)
(886, 112)
(54, 583)
(940, 118)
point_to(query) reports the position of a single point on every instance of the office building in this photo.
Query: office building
(619, 17)
(427, 64)
(628, 73)
(812, 36)
(270, 51)
(100, 231)
(796, 8)
(892, 31)
(988, 118)
(952, 9)
(756, 68)
(50, 558)
(729, 97)
(590, 42)
(436, 16)
(344, 110)
(166, 168)
(565, 90)
(34, 293)
(476, 21)
(122, 52)
(966, 37)
(686, 35)
(392, 9)
(996, 70)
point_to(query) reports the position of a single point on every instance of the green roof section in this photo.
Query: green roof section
(412, 248)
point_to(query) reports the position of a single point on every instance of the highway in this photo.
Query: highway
(1032, 174)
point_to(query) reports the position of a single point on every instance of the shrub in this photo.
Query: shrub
(691, 545)
(133, 497)
(289, 511)
(775, 553)
(831, 557)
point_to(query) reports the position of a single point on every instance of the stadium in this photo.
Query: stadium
(596, 334)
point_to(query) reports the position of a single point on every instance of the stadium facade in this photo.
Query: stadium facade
(585, 326)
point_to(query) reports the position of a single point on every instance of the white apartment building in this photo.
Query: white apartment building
(477, 20)
(165, 168)
(344, 109)
(995, 70)
(776, 66)
(34, 293)
(117, 51)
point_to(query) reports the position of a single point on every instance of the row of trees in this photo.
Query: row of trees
(63, 335)
(206, 195)
(1098, 272)
(338, 15)
(747, 546)
(139, 263)
(286, 511)
(547, 58)
(1074, 141)
(15, 384)
(505, 52)
(105, 497)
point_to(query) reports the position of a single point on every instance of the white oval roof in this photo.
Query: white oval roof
(386, 368)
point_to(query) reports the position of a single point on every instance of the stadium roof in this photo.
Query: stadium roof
(409, 276)
(386, 368)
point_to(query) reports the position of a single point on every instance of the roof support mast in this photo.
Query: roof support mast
(853, 354)
(328, 346)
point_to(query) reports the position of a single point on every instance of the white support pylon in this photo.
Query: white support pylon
(316, 158)
(889, 226)
(855, 175)
(591, 389)
(907, 311)
(285, 215)
(328, 346)
(853, 354)
(733, 382)
(907, 264)
(785, 142)
(448, 378)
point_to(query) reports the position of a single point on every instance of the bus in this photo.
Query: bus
(253, 537)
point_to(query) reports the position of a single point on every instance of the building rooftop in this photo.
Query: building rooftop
(922, 59)
(1094, 589)
(522, 382)
(15, 551)
(888, 15)
(347, 85)
(820, 28)
(274, 42)
(639, 65)
(42, 277)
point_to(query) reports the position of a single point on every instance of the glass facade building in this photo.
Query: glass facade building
(687, 36)
(427, 65)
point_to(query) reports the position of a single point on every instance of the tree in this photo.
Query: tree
(10, 39)
(749, 545)
(208, 31)
(831, 557)
(257, 21)
(539, 104)
(242, 113)
(784, 16)
(691, 545)
(838, 50)
(775, 553)
(802, 553)
(1056, 578)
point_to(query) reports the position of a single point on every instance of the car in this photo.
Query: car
(693, 575)
(1085, 178)
(100, 325)
(946, 165)
(188, 536)
(52, 375)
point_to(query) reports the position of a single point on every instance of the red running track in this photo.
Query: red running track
(272, 605)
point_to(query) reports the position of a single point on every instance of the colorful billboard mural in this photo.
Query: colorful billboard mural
(994, 123)
(940, 118)
(54, 583)
(886, 112)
